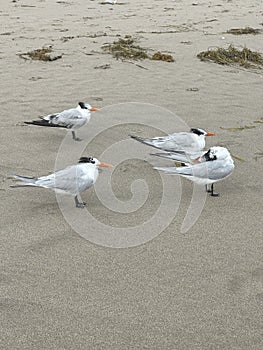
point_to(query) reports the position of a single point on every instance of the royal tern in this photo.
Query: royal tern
(213, 166)
(72, 180)
(191, 142)
(72, 119)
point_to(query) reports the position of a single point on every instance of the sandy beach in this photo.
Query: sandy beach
(202, 289)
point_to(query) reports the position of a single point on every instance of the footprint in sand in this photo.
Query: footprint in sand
(250, 284)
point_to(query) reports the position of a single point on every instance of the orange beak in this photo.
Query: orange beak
(93, 109)
(210, 133)
(105, 165)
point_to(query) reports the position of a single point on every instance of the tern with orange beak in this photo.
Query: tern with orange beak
(191, 142)
(71, 119)
(214, 165)
(72, 180)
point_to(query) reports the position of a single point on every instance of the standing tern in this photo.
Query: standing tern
(191, 142)
(213, 166)
(72, 180)
(72, 119)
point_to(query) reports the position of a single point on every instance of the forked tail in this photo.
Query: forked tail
(24, 181)
(43, 122)
(140, 139)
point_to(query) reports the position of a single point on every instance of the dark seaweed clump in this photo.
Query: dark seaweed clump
(126, 49)
(233, 56)
(40, 55)
(159, 56)
(246, 30)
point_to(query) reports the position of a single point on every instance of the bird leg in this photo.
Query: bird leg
(211, 191)
(207, 189)
(78, 203)
(74, 136)
(213, 194)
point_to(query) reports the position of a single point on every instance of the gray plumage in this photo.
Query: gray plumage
(181, 157)
(72, 119)
(72, 180)
(214, 165)
(190, 142)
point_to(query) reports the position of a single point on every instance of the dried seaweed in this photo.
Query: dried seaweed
(103, 66)
(241, 31)
(240, 128)
(126, 49)
(159, 56)
(258, 121)
(242, 160)
(43, 54)
(66, 38)
(194, 89)
(233, 56)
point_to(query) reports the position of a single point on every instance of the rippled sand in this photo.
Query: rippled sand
(202, 290)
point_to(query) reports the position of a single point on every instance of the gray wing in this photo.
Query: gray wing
(178, 156)
(213, 170)
(71, 179)
(218, 169)
(182, 141)
(69, 118)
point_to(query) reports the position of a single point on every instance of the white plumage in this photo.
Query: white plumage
(212, 166)
(72, 180)
(72, 119)
(191, 142)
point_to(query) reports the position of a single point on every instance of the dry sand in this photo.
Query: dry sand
(202, 290)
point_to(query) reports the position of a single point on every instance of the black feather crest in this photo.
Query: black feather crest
(197, 131)
(82, 105)
(87, 160)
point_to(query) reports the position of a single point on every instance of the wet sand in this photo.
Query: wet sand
(200, 290)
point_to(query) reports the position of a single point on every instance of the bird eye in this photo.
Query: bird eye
(91, 160)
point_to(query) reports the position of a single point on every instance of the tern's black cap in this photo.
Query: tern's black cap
(87, 160)
(82, 105)
(198, 132)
